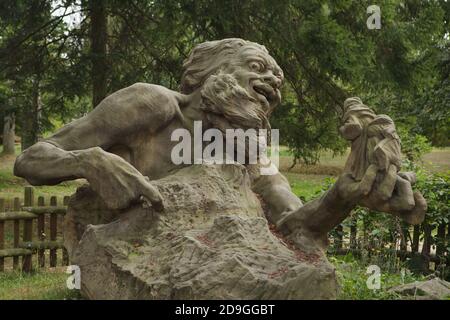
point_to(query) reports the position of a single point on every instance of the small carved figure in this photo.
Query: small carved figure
(375, 150)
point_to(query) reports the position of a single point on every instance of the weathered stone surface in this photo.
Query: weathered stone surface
(433, 289)
(211, 242)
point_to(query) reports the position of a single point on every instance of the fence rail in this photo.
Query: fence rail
(417, 243)
(32, 241)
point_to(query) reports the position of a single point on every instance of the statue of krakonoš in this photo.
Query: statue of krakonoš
(146, 228)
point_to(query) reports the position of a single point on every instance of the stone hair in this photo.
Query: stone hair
(207, 58)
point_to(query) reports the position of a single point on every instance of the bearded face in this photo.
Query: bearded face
(258, 73)
(244, 91)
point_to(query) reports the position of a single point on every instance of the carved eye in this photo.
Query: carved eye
(256, 66)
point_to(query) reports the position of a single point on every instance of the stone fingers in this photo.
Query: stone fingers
(410, 176)
(149, 194)
(386, 187)
(369, 178)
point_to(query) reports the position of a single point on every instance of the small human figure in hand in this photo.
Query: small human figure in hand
(375, 152)
(371, 178)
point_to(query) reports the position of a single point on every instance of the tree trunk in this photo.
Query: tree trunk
(31, 128)
(426, 248)
(98, 37)
(365, 243)
(448, 242)
(440, 246)
(404, 235)
(353, 233)
(339, 238)
(9, 135)
(416, 239)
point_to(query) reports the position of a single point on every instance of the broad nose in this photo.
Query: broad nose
(273, 81)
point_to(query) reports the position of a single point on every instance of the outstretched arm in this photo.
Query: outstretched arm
(321, 215)
(78, 149)
(387, 191)
(316, 218)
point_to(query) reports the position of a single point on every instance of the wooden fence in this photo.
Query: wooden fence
(345, 240)
(415, 242)
(33, 219)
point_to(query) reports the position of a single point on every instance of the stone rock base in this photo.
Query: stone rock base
(211, 242)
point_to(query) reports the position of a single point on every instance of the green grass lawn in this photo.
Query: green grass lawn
(438, 160)
(305, 186)
(51, 284)
(40, 285)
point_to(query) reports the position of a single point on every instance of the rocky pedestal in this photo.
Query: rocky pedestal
(211, 242)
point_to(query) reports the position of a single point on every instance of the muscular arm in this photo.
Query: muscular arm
(77, 149)
(318, 216)
(277, 194)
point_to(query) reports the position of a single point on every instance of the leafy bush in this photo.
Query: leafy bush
(414, 146)
(379, 233)
(352, 277)
(436, 190)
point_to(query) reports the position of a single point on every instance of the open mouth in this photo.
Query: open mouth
(266, 92)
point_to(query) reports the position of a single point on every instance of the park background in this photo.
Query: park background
(58, 59)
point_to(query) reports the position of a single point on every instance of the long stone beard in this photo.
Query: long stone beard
(229, 106)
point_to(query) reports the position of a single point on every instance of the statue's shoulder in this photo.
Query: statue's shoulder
(154, 94)
(142, 88)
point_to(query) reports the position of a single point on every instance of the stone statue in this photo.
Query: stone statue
(376, 156)
(202, 232)
(375, 148)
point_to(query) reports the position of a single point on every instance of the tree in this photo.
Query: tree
(26, 68)
(9, 134)
(98, 38)
(38, 61)
(328, 54)
(324, 47)
(9, 119)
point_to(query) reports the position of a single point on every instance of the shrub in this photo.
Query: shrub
(352, 277)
